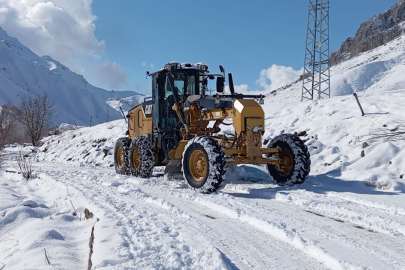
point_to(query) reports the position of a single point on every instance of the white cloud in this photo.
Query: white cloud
(270, 79)
(112, 74)
(59, 28)
(152, 65)
(239, 89)
(278, 76)
(144, 64)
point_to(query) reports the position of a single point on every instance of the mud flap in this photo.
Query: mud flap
(173, 170)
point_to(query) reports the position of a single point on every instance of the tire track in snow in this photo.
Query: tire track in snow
(228, 209)
(381, 249)
(370, 215)
(385, 251)
(244, 247)
(273, 231)
(152, 238)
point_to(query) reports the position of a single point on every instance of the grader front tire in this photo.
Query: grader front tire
(295, 160)
(204, 164)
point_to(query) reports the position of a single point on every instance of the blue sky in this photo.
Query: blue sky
(113, 43)
(244, 36)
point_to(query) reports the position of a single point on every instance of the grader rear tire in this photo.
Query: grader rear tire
(141, 157)
(295, 160)
(121, 156)
(203, 164)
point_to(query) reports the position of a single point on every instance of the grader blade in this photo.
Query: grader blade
(173, 170)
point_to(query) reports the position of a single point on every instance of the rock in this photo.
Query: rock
(365, 145)
(100, 140)
(373, 33)
(363, 154)
(87, 213)
(302, 134)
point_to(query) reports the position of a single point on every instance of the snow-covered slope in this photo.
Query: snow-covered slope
(378, 70)
(22, 71)
(126, 103)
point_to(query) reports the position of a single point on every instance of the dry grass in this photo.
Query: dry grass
(396, 133)
(24, 165)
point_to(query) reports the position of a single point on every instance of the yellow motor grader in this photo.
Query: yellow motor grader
(180, 127)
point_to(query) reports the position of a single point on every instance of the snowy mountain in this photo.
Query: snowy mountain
(22, 71)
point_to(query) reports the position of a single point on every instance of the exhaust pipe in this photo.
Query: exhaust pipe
(231, 87)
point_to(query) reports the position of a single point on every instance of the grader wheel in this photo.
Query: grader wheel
(198, 165)
(204, 164)
(121, 156)
(141, 157)
(294, 160)
(286, 165)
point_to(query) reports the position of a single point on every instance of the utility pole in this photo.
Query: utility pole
(316, 77)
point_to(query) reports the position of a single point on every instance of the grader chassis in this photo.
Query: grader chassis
(179, 127)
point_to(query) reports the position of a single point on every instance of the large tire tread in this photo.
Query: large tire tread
(123, 142)
(216, 164)
(301, 156)
(147, 160)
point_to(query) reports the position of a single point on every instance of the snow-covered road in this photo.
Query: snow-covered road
(152, 223)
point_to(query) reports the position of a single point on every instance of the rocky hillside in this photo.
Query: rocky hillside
(373, 33)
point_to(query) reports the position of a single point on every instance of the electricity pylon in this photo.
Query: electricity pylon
(316, 77)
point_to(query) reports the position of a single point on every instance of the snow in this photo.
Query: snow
(349, 214)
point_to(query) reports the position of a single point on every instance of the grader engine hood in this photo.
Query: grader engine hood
(247, 115)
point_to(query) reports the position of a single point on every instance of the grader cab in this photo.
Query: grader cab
(180, 128)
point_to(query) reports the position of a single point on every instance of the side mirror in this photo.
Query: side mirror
(220, 84)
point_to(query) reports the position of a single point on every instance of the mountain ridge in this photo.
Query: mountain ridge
(375, 32)
(23, 72)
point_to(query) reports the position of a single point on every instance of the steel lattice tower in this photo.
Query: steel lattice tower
(316, 76)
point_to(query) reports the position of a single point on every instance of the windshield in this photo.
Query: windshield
(185, 83)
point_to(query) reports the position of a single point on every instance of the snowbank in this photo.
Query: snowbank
(85, 146)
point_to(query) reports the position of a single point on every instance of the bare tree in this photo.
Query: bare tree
(396, 133)
(7, 117)
(36, 114)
